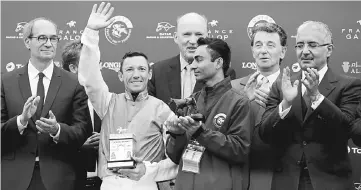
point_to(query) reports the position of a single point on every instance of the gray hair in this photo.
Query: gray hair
(28, 28)
(193, 13)
(319, 26)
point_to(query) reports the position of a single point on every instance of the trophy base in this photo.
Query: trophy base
(122, 164)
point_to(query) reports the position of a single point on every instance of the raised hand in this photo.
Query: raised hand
(251, 86)
(289, 90)
(311, 82)
(29, 109)
(99, 18)
(45, 125)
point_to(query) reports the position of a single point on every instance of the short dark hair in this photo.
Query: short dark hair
(133, 54)
(270, 28)
(217, 48)
(71, 53)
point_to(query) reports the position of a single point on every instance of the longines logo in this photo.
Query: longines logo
(164, 30)
(249, 65)
(115, 66)
(214, 31)
(351, 67)
(353, 33)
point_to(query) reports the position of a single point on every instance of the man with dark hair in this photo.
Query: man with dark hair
(308, 117)
(173, 78)
(226, 133)
(44, 117)
(133, 111)
(268, 44)
(88, 153)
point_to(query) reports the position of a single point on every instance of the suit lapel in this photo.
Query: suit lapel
(325, 88)
(174, 78)
(25, 90)
(297, 105)
(24, 83)
(54, 86)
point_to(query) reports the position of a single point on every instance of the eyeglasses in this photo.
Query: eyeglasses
(43, 39)
(311, 45)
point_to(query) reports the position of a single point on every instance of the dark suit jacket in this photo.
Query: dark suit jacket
(68, 101)
(356, 128)
(261, 157)
(322, 135)
(166, 80)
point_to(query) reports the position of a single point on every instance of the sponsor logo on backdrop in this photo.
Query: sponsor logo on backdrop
(357, 186)
(354, 150)
(258, 20)
(119, 31)
(69, 31)
(12, 66)
(296, 67)
(351, 67)
(354, 32)
(216, 31)
(165, 30)
(249, 65)
(19, 31)
(114, 66)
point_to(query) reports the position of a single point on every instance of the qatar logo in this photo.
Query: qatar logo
(164, 26)
(256, 21)
(19, 29)
(119, 31)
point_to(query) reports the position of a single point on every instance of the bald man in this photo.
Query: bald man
(173, 78)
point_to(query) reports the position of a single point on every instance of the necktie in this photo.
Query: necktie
(187, 82)
(40, 92)
(264, 83)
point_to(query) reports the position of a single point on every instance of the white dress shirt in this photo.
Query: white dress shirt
(185, 93)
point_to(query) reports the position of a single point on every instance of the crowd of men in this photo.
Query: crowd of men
(272, 130)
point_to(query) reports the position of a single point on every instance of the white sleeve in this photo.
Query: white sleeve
(89, 73)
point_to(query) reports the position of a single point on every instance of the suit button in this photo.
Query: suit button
(304, 143)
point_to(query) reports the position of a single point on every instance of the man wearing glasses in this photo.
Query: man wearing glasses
(44, 117)
(308, 117)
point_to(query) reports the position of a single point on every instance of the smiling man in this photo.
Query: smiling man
(133, 111)
(44, 117)
(226, 133)
(308, 117)
(268, 45)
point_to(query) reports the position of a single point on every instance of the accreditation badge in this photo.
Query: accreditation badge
(192, 157)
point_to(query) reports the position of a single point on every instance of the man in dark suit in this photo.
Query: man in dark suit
(268, 43)
(44, 115)
(174, 78)
(356, 128)
(89, 151)
(308, 117)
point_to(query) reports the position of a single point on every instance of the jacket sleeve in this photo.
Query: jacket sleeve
(233, 146)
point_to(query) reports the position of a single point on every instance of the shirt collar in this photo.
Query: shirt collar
(271, 78)
(183, 63)
(141, 96)
(220, 87)
(33, 72)
(321, 73)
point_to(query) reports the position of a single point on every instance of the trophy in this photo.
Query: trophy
(186, 107)
(121, 151)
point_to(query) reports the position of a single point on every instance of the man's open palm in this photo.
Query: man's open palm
(99, 18)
